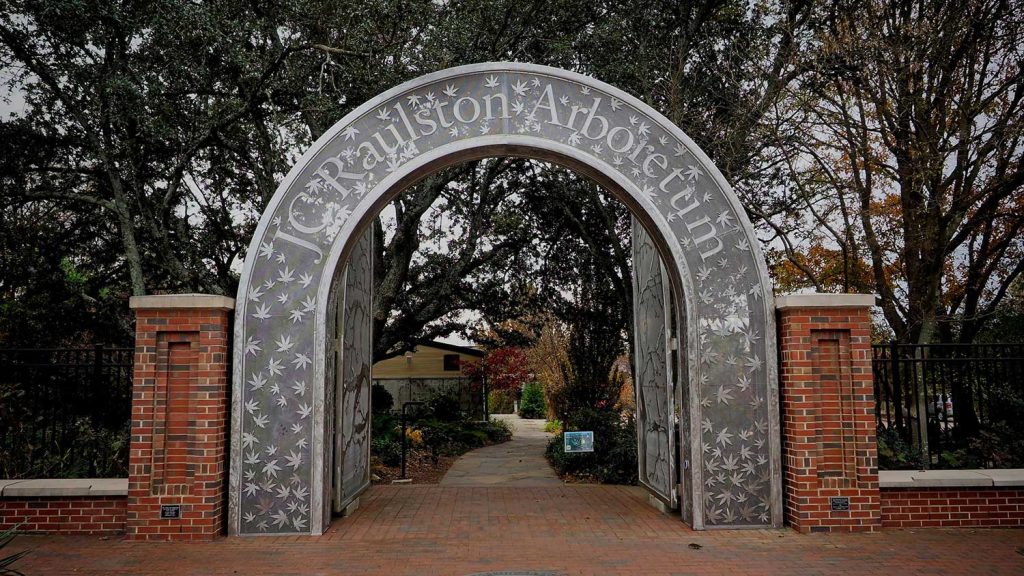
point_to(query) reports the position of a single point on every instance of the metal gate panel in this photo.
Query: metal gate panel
(652, 378)
(352, 407)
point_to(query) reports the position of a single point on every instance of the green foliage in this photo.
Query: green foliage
(614, 459)
(381, 400)
(553, 426)
(445, 407)
(387, 449)
(57, 286)
(455, 438)
(896, 454)
(498, 431)
(385, 425)
(205, 103)
(93, 452)
(999, 442)
(445, 429)
(531, 404)
(1000, 445)
(6, 562)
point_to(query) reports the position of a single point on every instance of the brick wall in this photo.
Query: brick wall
(180, 411)
(64, 515)
(952, 507)
(828, 424)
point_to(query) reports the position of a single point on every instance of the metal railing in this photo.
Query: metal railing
(65, 412)
(939, 398)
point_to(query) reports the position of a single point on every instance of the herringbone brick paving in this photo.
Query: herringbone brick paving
(574, 529)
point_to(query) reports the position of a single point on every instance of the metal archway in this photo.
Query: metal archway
(281, 443)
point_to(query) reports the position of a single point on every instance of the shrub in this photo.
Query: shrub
(384, 426)
(445, 407)
(455, 438)
(388, 450)
(532, 405)
(998, 445)
(500, 402)
(586, 389)
(447, 438)
(437, 436)
(895, 454)
(498, 431)
(614, 460)
(381, 401)
(553, 426)
(93, 451)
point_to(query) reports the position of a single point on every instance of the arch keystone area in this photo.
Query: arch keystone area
(280, 480)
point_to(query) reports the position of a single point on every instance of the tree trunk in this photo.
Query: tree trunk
(131, 250)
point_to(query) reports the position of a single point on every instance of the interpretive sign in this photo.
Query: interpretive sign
(579, 441)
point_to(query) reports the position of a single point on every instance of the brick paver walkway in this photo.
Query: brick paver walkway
(598, 530)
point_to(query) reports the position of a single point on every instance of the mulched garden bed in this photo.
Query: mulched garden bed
(422, 469)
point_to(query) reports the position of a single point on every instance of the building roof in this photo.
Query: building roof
(452, 348)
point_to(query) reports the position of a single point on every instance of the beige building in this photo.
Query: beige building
(429, 369)
(430, 359)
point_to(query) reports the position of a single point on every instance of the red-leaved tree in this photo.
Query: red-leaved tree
(506, 369)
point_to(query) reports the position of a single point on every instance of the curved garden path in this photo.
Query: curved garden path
(518, 462)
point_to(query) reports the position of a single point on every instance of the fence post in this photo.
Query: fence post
(178, 467)
(97, 374)
(920, 389)
(897, 389)
(826, 389)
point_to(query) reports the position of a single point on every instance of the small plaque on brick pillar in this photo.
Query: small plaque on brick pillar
(170, 511)
(840, 503)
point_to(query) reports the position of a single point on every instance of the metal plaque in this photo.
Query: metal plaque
(170, 511)
(839, 503)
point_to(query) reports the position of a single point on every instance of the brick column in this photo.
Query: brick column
(180, 411)
(829, 454)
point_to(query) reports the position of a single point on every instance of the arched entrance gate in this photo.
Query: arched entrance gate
(302, 326)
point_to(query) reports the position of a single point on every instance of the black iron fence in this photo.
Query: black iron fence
(949, 405)
(65, 412)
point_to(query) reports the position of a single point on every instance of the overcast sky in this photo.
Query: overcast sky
(16, 104)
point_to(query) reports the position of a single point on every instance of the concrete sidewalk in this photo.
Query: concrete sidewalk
(518, 462)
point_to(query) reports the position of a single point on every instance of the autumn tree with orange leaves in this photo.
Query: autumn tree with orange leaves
(904, 145)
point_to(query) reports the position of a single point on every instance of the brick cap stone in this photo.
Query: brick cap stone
(950, 478)
(50, 487)
(179, 301)
(790, 301)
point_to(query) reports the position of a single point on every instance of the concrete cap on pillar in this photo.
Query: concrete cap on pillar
(824, 301)
(182, 301)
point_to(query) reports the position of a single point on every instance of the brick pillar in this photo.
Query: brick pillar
(829, 454)
(180, 411)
